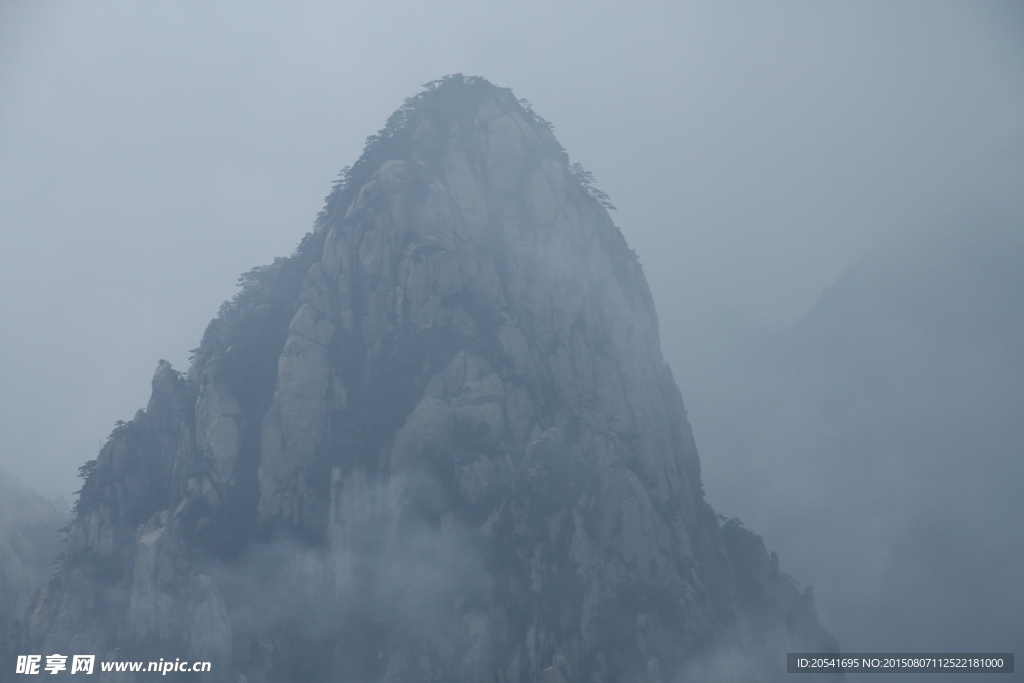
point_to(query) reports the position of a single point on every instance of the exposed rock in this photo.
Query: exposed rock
(439, 443)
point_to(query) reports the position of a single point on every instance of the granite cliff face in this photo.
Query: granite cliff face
(438, 443)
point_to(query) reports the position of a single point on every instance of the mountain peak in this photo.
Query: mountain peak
(440, 442)
(448, 114)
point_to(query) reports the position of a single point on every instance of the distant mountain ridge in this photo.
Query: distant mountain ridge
(437, 443)
(882, 435)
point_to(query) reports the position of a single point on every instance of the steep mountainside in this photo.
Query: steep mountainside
(438, 443)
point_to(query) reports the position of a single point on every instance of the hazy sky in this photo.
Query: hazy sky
(150, 153)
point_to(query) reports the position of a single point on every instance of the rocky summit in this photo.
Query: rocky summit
(437, 443)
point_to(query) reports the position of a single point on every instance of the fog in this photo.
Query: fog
(881, 437)
(758, 155)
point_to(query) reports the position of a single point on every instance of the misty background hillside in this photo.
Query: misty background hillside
(29, 546)
(886, 425)
(825, 200)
